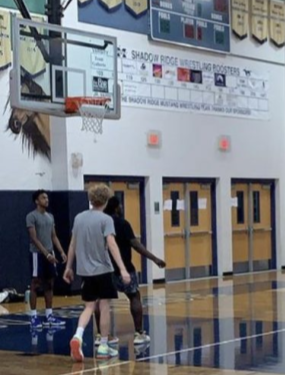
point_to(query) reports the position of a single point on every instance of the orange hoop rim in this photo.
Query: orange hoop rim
(72, 104)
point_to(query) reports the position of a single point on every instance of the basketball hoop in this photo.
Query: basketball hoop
(92, 111)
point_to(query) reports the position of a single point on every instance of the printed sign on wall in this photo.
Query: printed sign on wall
(168, 82)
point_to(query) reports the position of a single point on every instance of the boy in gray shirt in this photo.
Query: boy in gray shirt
(93, 234)
(40, 224)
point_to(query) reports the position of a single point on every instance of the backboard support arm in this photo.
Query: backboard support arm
(67, 4)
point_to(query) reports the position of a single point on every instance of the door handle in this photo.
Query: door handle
(200, 232)
(262, 229)
(241, 230)
(174, 234)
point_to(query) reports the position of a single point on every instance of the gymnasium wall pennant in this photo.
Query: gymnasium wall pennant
(111, 5)
(277, 22)
(5, 40)
(259, 20)
(138, 8)
(84, 2)
(240, 10)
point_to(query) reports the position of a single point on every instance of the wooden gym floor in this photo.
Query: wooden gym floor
(211, 327)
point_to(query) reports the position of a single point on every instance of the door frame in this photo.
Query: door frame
(129, 179)
(271, 181)
(213, 183)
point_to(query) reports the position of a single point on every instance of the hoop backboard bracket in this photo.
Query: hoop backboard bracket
(80, 64)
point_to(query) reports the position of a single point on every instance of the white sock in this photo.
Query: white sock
(33, 312)
(48, 312)
(104, 340)
(79, 332)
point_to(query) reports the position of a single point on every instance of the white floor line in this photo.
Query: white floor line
(211, 345)
(176, 352)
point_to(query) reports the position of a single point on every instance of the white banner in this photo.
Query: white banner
(168, 82)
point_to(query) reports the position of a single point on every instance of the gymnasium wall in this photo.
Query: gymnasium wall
(189, 140)
(189, 149)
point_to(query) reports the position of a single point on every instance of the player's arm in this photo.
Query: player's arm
(139, 248)
(68, 275)
(34, 239)
(58, 246)
(114, 250)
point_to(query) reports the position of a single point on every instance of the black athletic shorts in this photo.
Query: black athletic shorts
(42, 268)
(98, 287)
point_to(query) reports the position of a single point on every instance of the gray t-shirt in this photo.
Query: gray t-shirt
(90, 231)
(44, 224)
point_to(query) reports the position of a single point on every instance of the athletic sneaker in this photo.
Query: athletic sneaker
(141, 338)
(36, 323)
(111, 340)
(51, 320)
(104, 351)
(35, 337)
(76, 349)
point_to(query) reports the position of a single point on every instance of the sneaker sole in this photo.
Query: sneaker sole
(106, 356)
(102, 356)
(75, 351)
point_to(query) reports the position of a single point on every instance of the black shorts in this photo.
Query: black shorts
(98, 287)
(42, 268)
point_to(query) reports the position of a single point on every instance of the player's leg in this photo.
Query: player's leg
(49, 274)
(104, 350)
(106, 291)
(76, 341)
(48, 293)
(35, 321)
(105, 319)
(35, 284)
(132, 292)
(137, 314)
(112, 340)
(51, 320)
(97, 319)
(136, 310)
(94, 288)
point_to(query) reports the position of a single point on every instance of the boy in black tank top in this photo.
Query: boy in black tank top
(126, 240)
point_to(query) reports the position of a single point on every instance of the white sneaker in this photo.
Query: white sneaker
(111, 340)
(76, 349)
(141, 338)
(104, 351)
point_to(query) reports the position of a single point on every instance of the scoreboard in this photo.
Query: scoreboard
(196, 23)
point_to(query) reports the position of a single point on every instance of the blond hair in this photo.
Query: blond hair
(99, 195)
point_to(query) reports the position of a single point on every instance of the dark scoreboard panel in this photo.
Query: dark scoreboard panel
(196, 23)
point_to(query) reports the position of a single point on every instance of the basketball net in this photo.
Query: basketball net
(92, 118)
(92, 111)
